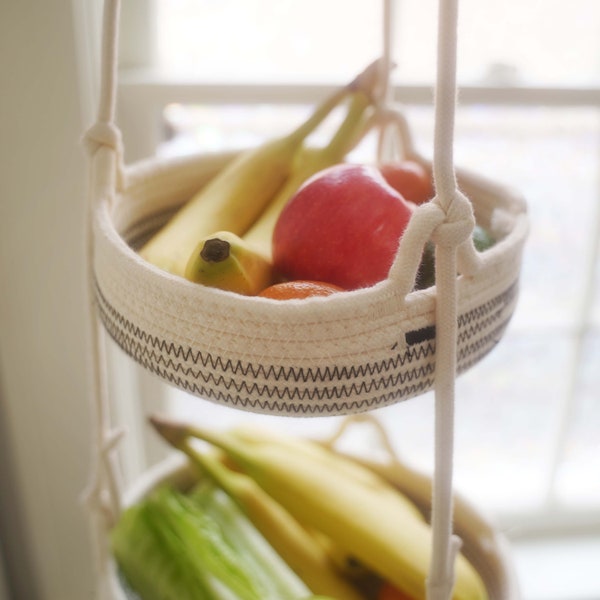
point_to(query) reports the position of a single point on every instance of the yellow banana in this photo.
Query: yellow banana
(234, 199)
(303, 554)
(309, 161)
(374, 523)
(311, 450)
(254, 248)
(224, 261)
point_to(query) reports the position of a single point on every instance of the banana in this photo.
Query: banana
(234, 199)
(311, 160)
(303, 554)
(224, 261)
(311, 450)
(245, 265)
(374, 523)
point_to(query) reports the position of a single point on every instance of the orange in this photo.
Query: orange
(289, 290)
(389, 592)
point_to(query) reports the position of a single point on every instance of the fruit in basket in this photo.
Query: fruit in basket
(237, 195)
(389, 592)
(294, 544)
(198, 546)
(234, 198)
(311, 160)
(299, 289)
(243, 264)
(343, 226)
(482, 240)
(359, 511)
(410, 178)
(223, 260)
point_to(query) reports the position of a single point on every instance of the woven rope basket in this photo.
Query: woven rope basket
(487, 550)
(340, 355)
(343, 354)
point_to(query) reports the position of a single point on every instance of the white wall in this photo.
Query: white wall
(44, 414)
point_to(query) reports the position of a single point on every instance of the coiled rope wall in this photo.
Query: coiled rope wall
(447, 220)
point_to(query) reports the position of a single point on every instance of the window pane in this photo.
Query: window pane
(551, 155)
(578, 480)
(249, 40)
(500, 41)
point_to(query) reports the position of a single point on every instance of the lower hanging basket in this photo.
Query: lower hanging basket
(485, 548)
(347, 353)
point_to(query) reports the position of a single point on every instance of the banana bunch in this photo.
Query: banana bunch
(245, 198)
(322, 512)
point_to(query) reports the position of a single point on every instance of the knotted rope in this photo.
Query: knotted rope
(448, 236)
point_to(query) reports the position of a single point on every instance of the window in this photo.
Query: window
(527, 447)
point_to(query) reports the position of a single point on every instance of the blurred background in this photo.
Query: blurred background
(200, 74)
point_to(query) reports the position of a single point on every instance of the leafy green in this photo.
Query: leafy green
(173, 546)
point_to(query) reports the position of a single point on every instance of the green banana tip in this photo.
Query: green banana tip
(172, 432)
(370, 80)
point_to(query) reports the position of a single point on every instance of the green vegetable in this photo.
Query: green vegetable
(279, 581)
(482, 240)
(172, 546)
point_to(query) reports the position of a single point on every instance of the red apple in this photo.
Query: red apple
(410, 178)
(343, 226)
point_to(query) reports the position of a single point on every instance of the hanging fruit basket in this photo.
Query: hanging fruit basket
(482, 546)
(347, 353)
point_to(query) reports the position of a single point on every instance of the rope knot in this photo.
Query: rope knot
(458, 222)
(102, 133)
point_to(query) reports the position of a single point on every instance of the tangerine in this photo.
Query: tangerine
(410, 178)
(299, 289)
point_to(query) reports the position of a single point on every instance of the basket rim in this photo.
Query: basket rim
(514, 209)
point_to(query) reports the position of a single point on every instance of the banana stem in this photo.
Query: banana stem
(215, 250)
(367, 81)
(172, 432)
(309, 162)
(177, 434)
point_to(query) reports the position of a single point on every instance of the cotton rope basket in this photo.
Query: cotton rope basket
(486, 549)
(347, 353)
(341, 355)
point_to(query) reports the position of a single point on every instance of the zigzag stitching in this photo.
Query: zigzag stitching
(481, 325)
(473, 350)
(113, 320)
(489, 306)
(286, 407)
(252, 387)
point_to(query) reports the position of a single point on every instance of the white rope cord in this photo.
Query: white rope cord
(451, 234)
(102, 497)
(104, 131)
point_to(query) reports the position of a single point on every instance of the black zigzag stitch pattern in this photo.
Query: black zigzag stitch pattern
(137, 341)
(489, 309)
(472, 353)
(271, 372)
(248, 384)
(160, 357)
(267, 403)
